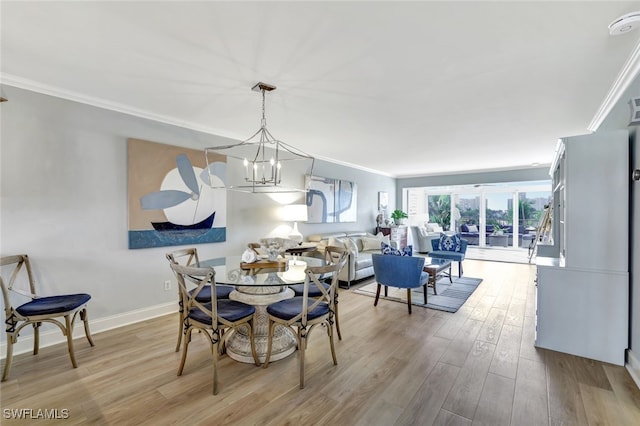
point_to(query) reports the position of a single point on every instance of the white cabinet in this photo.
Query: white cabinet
(398, 237)
(582, 312)
(582, 295)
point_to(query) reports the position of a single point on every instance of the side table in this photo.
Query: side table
(302, 248)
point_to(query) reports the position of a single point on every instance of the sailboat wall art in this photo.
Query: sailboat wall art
(170, 199)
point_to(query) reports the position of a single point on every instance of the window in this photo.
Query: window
(484, 214)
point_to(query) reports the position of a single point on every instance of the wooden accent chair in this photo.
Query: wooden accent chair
(399, 271)
(38, 310)
(332, 254)
(189, 257)
(211, 317)
(305, 313)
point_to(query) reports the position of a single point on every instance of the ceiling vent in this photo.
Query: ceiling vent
(625, 23)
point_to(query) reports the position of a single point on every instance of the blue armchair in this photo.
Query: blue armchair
(401, 272)
(439, 252)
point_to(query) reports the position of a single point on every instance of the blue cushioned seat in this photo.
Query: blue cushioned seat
(400, 272)
(303, 313)
(199, 315)
(189, 257)
(453, 253)
(332, 253)
(289, 308)
(222, 292)
(229, 310)
(298, 290)
(61, 309)
(53, 304)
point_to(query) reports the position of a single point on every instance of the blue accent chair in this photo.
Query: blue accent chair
(40, 309)
(213, 317)
(456, 256)
(401, 272)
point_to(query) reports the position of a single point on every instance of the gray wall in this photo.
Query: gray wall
(619, 118)
(63, 200)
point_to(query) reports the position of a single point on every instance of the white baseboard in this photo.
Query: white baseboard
(633, 367)
(55, 336)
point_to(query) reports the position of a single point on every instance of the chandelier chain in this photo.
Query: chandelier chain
(264, 116)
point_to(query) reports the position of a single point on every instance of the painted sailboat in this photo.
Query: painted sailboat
(187, 203)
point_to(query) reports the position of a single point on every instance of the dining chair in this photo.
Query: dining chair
(38, 310)
(211, 317)
(399, 271)
(255, 247)
(189, 257)
(302, 314)
(332, 254)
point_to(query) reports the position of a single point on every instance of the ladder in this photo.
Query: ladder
(543, 231)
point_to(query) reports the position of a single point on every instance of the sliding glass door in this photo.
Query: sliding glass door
(484, 214)
(498, 221)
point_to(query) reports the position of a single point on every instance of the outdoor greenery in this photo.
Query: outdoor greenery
(528, 215)
(440, 210)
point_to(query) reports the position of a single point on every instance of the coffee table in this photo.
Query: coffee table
(436, 268)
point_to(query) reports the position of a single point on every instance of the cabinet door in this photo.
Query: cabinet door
(583, 312)
(596, 197)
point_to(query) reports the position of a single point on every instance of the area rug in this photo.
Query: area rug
(449, 298)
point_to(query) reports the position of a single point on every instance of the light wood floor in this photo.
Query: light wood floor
(476, 366)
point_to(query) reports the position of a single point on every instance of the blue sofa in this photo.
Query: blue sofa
(455, 256)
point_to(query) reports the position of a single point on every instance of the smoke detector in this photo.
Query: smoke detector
(625, 23)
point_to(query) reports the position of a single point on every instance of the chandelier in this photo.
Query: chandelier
(260, 164)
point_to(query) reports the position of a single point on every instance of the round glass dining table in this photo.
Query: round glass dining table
(260, 284)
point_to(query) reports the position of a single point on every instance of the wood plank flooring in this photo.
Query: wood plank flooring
(477, 366)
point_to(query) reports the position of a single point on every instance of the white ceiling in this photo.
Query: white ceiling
(412, 88)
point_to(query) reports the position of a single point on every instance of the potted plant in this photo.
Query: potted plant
(399, 216)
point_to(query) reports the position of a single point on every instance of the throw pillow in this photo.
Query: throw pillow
(449, 242)
(370, 243)
(473, 228)
(350, 245)
(387, 249)
(383, 238)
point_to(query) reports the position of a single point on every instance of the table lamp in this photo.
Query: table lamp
(295, 213)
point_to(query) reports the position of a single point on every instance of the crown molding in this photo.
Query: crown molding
(544, 166)
(34, 86)
(354, 166)
(629, 72)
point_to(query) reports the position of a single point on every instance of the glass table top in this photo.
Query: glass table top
(229, 271)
